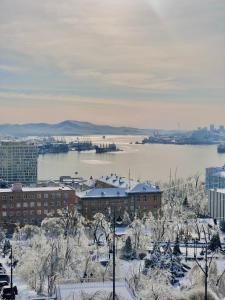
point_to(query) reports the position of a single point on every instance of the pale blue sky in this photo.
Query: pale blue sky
(144, 63)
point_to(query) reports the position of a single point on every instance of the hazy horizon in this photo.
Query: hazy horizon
(140, 63)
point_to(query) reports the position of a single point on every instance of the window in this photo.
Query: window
(58, 203)
(32, 212)
(65, 195)
(38, 203)
(11, 213)
(18, 213)
(18, 197)
(52, 203)
(18, 205)
(45, 196)
(25, 204)
(25, 213)
(4, 205)
(32, 204)
(45, 211)
(4, 213)
(45, 203)
(38, 212)
(11, 205)
(39, 196)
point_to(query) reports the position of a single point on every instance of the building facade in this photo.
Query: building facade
(28, 205)
(215, 178)
(216, 203)
(133, 197)
(18, 162)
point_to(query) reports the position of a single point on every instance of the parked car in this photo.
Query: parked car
(6, 293)
(4, 277)
(2, 284)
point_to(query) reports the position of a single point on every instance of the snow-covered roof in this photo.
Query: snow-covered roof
(221, 191)
(103, 193)
(39, 189)
(118, 181)
(143, 188)
(116, 192)
(131, 185)
(69, 291)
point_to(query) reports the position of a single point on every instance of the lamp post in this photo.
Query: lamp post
(114, 256)
(11, 275)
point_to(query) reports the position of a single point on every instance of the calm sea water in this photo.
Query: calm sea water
(146, 162)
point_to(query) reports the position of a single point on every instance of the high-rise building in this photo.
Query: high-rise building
(215, 178)
(18, 162)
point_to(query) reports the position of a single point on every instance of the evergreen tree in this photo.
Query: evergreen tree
(176, 248)
(185, 202)
(6, 247)
(222, 225)
(215, 242)
(128, 249)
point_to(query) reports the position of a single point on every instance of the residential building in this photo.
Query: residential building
(216, 203)
(18, 162)
(119, 194)
(215, 178)
(30, 205)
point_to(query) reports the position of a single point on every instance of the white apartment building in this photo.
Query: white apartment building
(18, 162)
(216, 203)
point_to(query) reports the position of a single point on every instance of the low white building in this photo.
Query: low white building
(77, 291)
(216, 203)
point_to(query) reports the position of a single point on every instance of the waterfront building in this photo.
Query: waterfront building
(216, 203)
(212, 127)
(215, 178)
(18, 162)
(30, 205)
(120, 194)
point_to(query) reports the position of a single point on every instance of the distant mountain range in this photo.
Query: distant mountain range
(67, 128)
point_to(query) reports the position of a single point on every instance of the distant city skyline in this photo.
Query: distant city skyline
(140, 63)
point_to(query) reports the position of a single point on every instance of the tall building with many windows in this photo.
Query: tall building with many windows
(215, 178)
(18, 162)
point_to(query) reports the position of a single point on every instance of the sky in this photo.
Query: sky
(142, 63)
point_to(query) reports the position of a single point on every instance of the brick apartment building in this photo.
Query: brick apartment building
(30, 205)
(114, 192)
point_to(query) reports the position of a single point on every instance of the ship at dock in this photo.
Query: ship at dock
(221, 148)
(53, 147)
(81, 146)
(107, 148)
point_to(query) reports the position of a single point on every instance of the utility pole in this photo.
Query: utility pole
(114, 256)
(11, 275)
